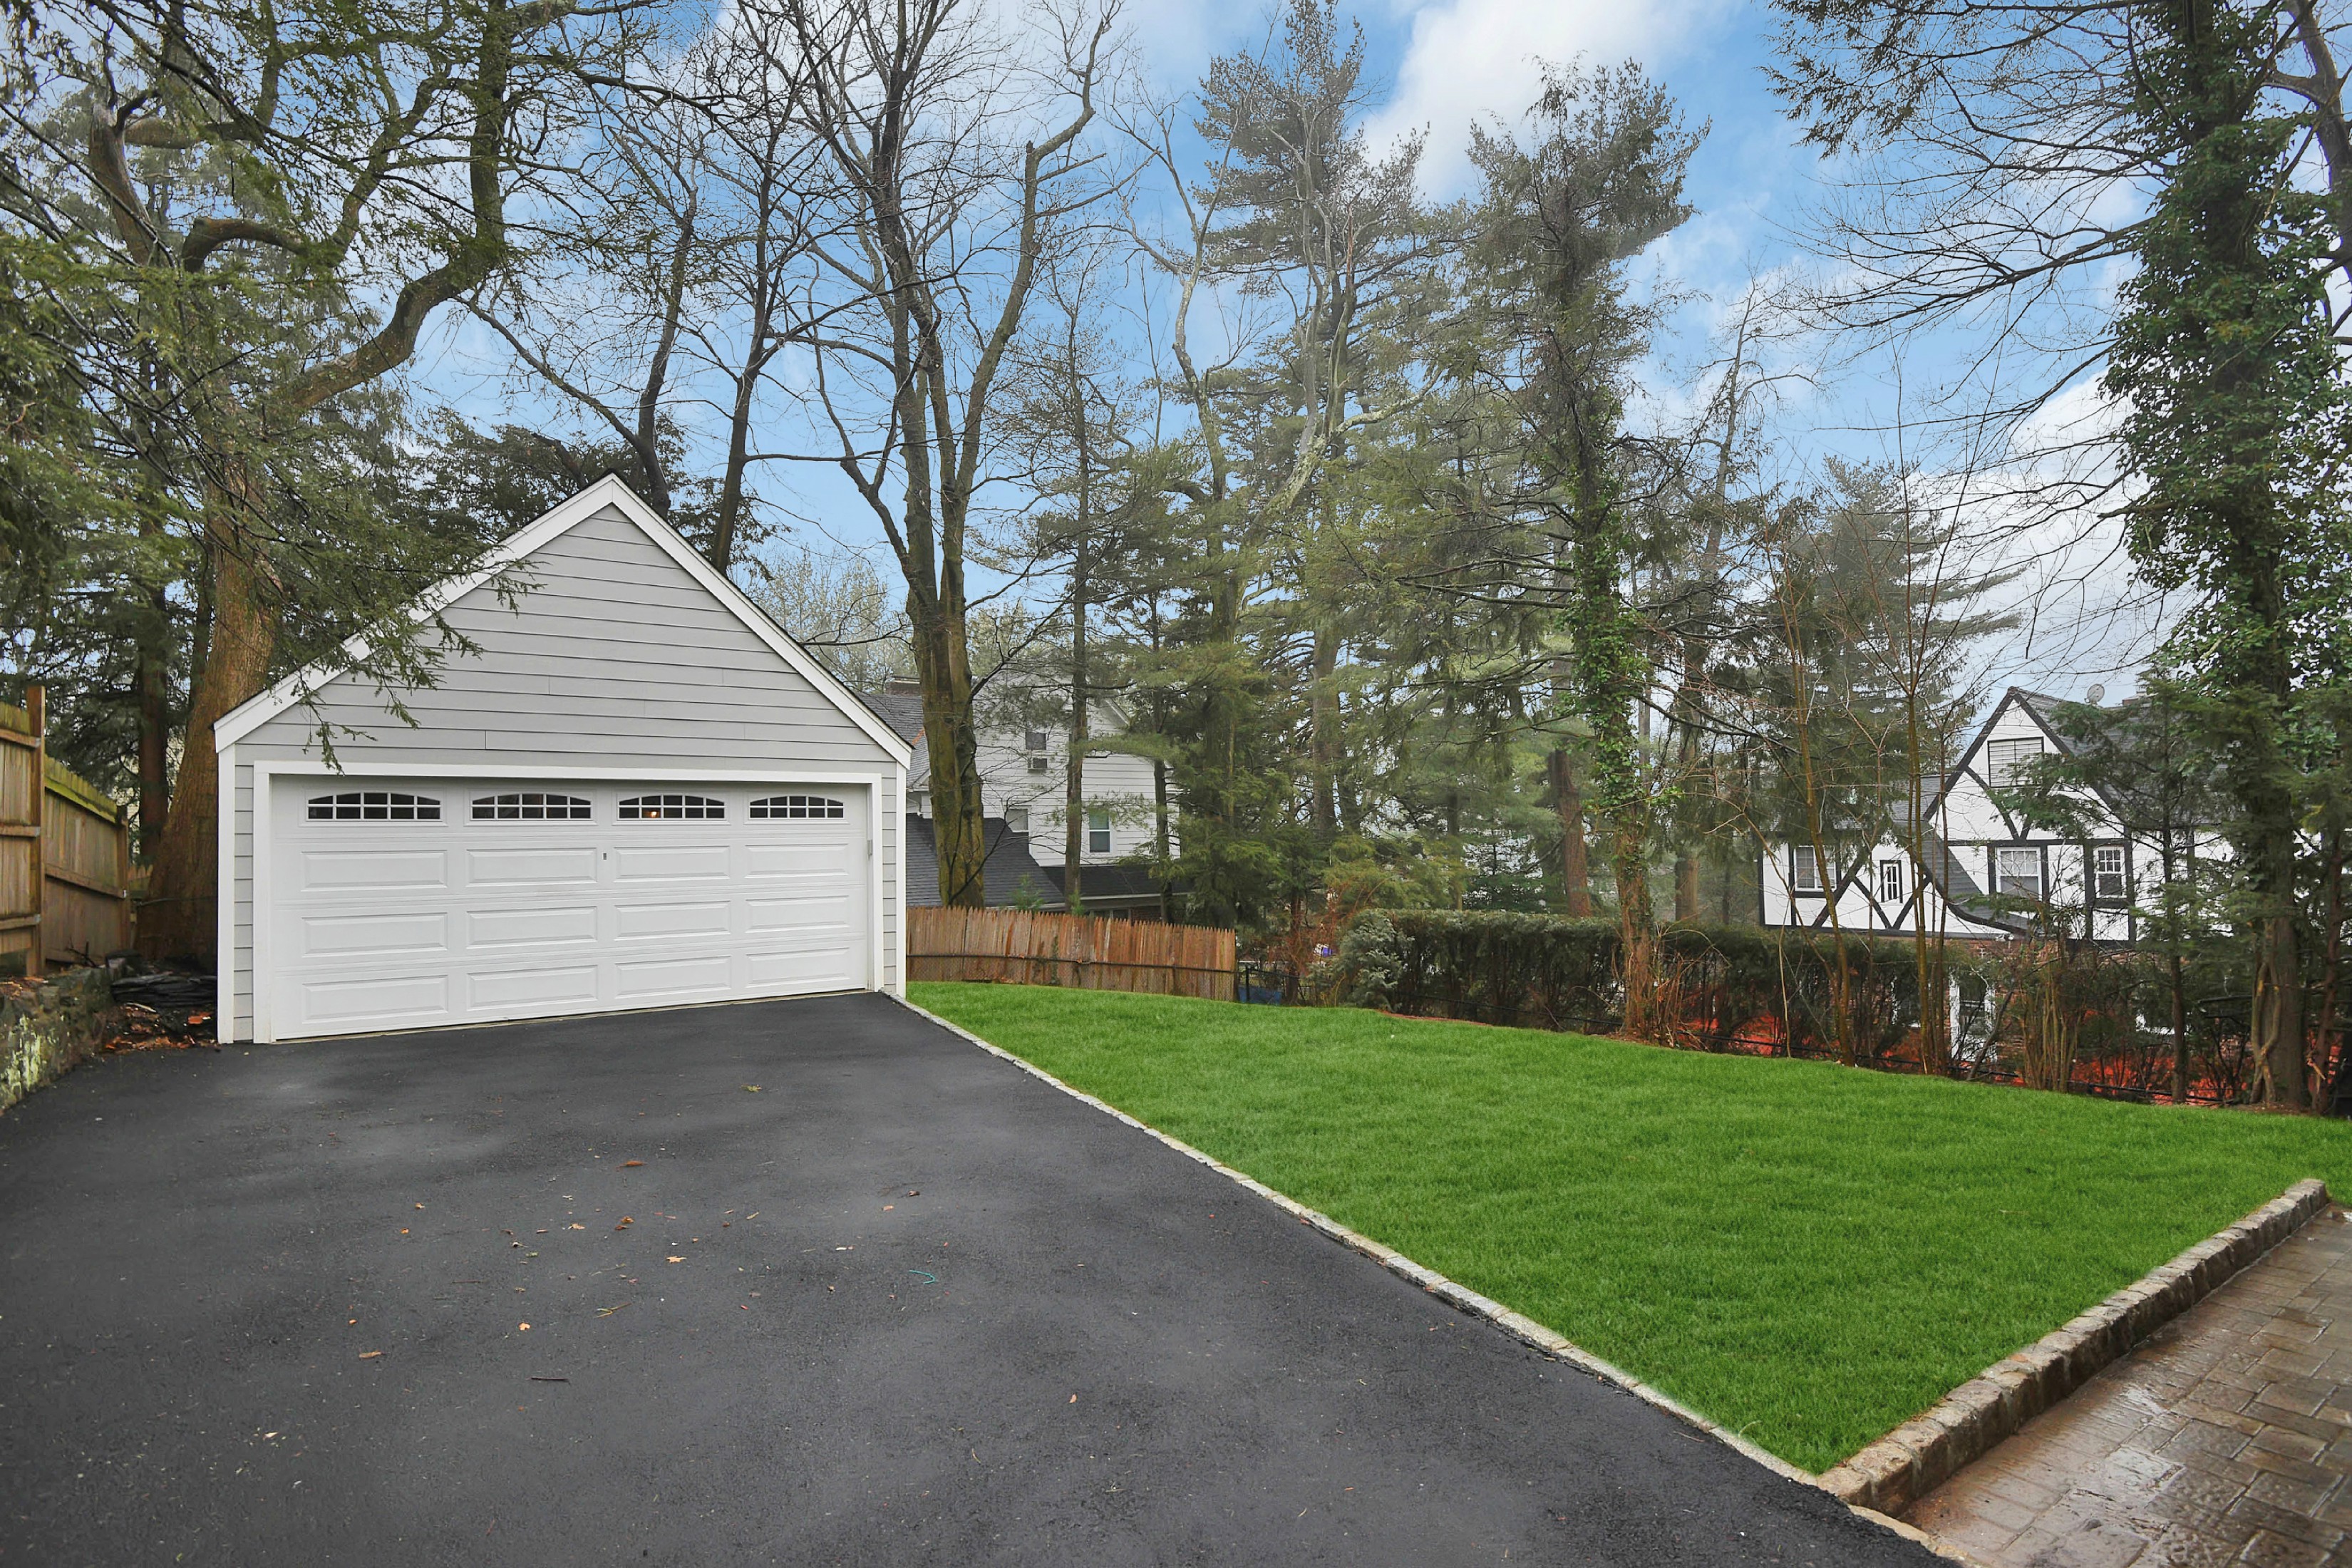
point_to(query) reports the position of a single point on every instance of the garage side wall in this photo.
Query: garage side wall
(611, 657)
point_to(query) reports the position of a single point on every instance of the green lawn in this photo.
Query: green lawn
(1807, 1253)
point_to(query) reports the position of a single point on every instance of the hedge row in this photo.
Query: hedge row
(1720, 982)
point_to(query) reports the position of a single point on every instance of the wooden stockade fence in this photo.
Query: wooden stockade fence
(1029, 947)
(65, 860)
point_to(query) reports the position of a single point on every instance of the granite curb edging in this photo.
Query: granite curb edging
(1464, 1300)
(1891, 1474)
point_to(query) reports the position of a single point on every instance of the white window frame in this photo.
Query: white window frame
(2002, 756)
(1804, 869)
(530, 806)
(2004, 856)
(672, 807)
(1097, 822)
(2100, 874)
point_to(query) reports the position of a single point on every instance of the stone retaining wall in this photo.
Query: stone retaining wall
(54, 1030)
(1911, 1461)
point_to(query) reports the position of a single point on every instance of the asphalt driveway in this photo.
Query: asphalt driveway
(804, 1282)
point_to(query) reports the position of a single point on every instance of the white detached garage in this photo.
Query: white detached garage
(636, 793)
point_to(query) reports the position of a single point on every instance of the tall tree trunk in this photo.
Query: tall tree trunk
(943, 665)
(1687, 886)
(178, 920)
(647, 440)
(1323, 699)
(154, 737)
(1575, 859)
(1074, 772)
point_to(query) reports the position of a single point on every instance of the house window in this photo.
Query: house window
(775, 807)
(1098, 833)
(530, 805)
(1973, 996)
(1805, 866)
(2003, 759)
(672, 808)
(2017, 873)
(374, 806)
(1036, 742)
(2107, 871)
(1890, 881)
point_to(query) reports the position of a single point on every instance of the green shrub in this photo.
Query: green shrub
(1550, 973)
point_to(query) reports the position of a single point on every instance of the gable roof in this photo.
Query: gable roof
(1008, 873)
(902, 713)
(607, 493)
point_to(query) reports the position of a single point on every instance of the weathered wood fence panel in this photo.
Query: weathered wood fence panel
(65, 863)
(1029, 947)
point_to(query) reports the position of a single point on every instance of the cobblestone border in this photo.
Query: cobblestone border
(1462, 1299)
(1898, 1469)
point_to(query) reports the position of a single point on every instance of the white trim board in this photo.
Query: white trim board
(225, 885)
(490, 768)
(608, 491)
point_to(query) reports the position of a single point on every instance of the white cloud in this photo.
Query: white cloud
(1469, 60)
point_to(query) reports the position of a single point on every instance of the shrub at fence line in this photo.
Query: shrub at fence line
(1724, 983)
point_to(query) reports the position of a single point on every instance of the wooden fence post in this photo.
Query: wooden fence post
(37, 703)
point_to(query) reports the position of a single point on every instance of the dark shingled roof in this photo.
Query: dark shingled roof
(903, 714)
(1009, 872)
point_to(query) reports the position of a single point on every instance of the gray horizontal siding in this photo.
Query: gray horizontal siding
(613, 656)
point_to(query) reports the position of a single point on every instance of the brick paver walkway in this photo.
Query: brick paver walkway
(2226, 1438)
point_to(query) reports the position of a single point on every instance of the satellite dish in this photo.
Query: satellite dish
(2096, 695)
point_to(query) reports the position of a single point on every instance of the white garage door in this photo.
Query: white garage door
(394, 904)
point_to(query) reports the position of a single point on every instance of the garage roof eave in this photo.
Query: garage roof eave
(609, 492)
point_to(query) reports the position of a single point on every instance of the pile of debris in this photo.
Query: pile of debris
(160, 1009)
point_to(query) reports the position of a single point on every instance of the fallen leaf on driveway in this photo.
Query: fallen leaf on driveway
(626, 1163)
(370, 1355)
(576, 1227)
(625, 1222)
(751, 1088)
(608, 1311)
(522, 1328)
(677, 1260)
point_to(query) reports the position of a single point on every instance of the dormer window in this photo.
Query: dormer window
(2004, 759)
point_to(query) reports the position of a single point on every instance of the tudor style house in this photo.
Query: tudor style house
(1022, 797)
(1987, 870)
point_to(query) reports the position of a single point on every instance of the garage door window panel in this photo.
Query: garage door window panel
(530, 806)
(374, 806)
(779, 807)
(673, 808)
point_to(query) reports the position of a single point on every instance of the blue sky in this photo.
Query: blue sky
(1442, 65)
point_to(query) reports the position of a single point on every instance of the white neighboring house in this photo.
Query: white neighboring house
(1976, 850)
(1022, 787)
(635, 792)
